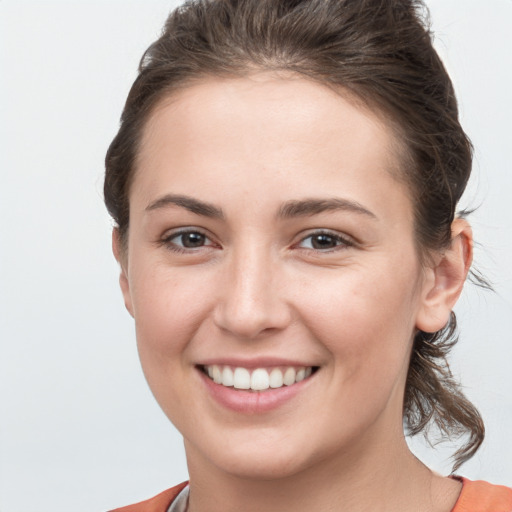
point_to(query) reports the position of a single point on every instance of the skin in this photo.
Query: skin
(259, 287)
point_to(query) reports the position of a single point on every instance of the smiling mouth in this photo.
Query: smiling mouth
(258, 379)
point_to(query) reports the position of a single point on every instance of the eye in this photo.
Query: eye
(324, 241)
(186, 240)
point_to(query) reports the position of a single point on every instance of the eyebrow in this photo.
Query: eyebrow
(290, 209)
(189, 203)
(308, 207)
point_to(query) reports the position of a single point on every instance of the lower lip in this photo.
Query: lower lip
(252, 402)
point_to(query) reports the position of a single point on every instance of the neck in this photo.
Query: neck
(396, 481)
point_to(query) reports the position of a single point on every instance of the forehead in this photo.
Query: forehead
(274, 131)
(266, 99)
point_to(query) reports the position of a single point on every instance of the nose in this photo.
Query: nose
(251, 297)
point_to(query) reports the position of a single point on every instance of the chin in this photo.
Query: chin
(258, 458)
(271, 467)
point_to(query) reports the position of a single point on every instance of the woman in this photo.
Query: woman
(284, 184)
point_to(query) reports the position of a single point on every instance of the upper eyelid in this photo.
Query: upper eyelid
(170, 234)
(329, 232)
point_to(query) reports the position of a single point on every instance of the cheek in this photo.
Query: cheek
(167, 316)
(365, 319)
(368, 332)
(169, 306)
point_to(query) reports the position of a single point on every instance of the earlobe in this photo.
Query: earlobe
(445, 280)
(120, 256)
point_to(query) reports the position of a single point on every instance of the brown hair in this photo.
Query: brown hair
(381, 52)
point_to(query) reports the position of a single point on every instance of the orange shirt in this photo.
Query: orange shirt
(480, 496)
(159, 503)
(475, 496)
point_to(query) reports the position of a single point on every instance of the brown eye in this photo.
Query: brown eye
(324, 242)
(185, 240)
(191, 240)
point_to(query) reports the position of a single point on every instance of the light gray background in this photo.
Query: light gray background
(79, 429)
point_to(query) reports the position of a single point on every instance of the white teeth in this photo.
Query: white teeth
(242, 379)
(289, 377)
(276, 378)
(227, 376)
(260, 379)
(217, 375)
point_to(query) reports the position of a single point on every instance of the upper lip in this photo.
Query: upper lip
(259, 362)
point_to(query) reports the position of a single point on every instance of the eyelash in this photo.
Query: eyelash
(340, 242)
(167, 241)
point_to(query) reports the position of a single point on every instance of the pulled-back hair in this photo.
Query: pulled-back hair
(379, 52)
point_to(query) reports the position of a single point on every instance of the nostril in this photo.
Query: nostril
(251, 320)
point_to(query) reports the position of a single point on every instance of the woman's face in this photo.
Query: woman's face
(270, 241)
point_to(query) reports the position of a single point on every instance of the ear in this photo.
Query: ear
(121, 257)
(445, 279)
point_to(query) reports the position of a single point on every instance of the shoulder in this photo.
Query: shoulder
(476, 496)
(159, 503)
(480, 496)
